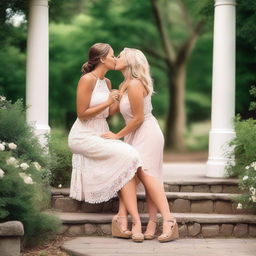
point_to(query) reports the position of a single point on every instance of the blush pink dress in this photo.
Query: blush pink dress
(101, 167)
(147, 139)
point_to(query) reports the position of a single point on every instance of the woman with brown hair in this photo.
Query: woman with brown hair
(102, 169)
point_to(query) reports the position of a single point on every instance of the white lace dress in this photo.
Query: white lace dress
(101, 167)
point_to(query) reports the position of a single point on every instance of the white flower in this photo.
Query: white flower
(2, 98)
(253, 190)
(245, 178)
(37, 166)
(60, 186)
(247, 167)
(12, 145)
(12, 161)
(3, 143)
(24, 166)
(253, 198)
(239, 206)
(1, 173)
(253, 164)
(2, 147)
(26, 178)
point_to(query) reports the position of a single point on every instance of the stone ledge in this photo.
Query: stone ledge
(196, 230)
(103, 218)
(196, 196)
(60, 191)
(178, 202)
(11, 228)
(10, 237)
(172, 195)
(186, 182)
(202, 181)
(190, 225)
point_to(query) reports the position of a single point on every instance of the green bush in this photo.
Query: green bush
(61, 164)
(244, 153)
(24, 175)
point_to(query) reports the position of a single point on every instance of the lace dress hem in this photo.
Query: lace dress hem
(105, 194)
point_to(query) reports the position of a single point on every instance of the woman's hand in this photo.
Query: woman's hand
(118, 93)
(113, 97)
(114, 108)
(110, 135)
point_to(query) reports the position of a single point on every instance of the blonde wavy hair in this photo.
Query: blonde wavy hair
(138, 67)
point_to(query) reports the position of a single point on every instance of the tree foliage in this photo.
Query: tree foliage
(76, 25)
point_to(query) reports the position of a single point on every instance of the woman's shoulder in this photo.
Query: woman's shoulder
(134, 82)
(135, 85)
(87, 80)
(88, 77)
(131, 85)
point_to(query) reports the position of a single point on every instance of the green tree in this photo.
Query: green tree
(176, 54)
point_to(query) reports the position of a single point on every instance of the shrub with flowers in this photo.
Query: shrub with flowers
(24, 175)
(244, 153)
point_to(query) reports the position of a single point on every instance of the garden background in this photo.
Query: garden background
(76, 25)
(73, 27)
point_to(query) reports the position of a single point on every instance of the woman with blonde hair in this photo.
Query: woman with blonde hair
(102, 169)
(142, 131)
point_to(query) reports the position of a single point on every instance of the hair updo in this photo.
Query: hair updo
(96, 52)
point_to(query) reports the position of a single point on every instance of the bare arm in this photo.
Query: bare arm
(84, 93)
(136, 98)
(115, 106)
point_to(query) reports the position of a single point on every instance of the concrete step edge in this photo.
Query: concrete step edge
(202, 182)
(187, 196)
(103, 218)
(65, 191)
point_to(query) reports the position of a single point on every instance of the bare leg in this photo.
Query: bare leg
(152, 211)
(122, 211)
(129, 198)
(157, 194)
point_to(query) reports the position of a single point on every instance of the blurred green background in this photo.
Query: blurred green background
(75, 25)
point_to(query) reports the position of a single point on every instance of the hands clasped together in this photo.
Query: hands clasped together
(114, 97)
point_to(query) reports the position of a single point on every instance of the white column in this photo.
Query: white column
(37, 68)
(223, 87)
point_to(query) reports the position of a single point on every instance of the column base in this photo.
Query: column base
(219, 150)
(42, 131)
(215, 168)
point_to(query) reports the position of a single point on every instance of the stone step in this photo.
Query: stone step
(197, 225)
(108, 246)
(204, 185)
(191, 184)
(178, 201)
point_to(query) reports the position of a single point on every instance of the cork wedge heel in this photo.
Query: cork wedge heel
(172, 234)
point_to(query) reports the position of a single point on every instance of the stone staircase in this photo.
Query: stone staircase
(204, 208)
